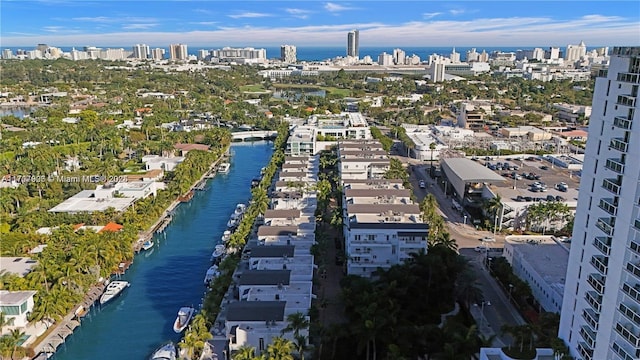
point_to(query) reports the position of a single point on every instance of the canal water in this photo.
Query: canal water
(171, 274)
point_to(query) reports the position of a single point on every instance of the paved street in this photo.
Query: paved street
(497, 309)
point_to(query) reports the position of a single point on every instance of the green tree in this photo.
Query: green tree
(280, 349)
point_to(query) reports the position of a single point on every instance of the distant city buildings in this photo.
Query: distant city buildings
(141, 51)
(288, 54)
(353, 38)
(178, 52)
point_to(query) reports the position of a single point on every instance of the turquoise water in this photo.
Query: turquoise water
(169, 275)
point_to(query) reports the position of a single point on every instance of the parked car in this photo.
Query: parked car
(422, 184)
(488, 239)
(481, 249)
(559, 198)
(562, 187)
(544, 167)
(551, 198)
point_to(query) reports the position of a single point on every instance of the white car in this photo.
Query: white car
(422, 184)
(488, 239)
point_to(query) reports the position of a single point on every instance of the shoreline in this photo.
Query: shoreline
(56, 334)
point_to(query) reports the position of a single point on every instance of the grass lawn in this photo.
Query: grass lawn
(252, 88)
(329, 89)
(7, 155)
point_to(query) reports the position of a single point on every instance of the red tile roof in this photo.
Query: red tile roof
(113, 227)
(189, 147)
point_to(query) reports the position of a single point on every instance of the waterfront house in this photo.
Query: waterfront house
(16, 306)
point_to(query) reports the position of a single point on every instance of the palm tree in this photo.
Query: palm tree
(493, 206)
(280, 349)
(296, 323)
(301, 346)
(245, 352)
(15, 336)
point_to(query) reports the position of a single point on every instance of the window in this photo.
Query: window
(261, 344)
(604, 110)
(371, 237)
(357, 237)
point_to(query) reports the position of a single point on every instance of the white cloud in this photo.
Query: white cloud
(144, 26)
(594, 30)
(430, 15)
(206, 23)
(457, 11)
(100, 19)
(298, 13)
(249, 15)
(204, 11)
(333, 7)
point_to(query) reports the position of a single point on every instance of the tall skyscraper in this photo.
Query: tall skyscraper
(157, 54)
(141, 51)
(178, 52)
(600, 316)
(288, 53)
(352, 43)
(398, 56)
(575, 52)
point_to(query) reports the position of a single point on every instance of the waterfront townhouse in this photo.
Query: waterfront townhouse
(301, 266)
(372, 184)
(362, 160)
(377, 196)
(380, 235)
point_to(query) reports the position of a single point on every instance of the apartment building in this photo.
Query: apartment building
(600, 316)
(362, 160)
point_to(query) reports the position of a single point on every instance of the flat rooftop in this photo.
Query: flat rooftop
(265, 230)
(256, 311)
(265, 277)
(274, 251)
(548, 258)
(82, 202)
(282, 214)
(20, 266)
(469, 171)
(355, 193)
(8, 298)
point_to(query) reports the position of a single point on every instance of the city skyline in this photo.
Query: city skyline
(317, 23)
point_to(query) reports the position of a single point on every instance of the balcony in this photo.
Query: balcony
(634, 269)
(594, 299)
(628, 334)
(632, 291)
(622, 123)
(585, 351)
(635, 247)
(621, 352)
(619, 144)
(591, 318)
(611, 185)
(603, 244)
(628, 77)
(615, 165)
(636, 224)
(597, 282)
(606, 225)
(609, 205)
(630, 312)
(588, 335)
(626, 100)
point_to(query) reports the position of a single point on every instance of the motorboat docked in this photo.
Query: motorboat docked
(113, 290)
(147, 244)
(184, 317)
(224, 167)
(218, 252)
(226, 235)
(240, 209)
(165, 352)
(234, 221)
(255, 182)
(211, 274)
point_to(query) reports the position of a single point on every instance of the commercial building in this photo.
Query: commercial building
(288, 54)
(423, 137)
(600, 317)
(353, 46)
(541, 262)
(467, 180)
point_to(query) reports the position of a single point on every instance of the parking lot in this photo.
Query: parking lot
(520, 189)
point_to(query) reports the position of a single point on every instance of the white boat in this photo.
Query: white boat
(147, 244)
(233, 222)
(224, 168)
(165, 352)
(226, 235)
(182, 320)
(113, 290)
(240, 209)
(218, 252)
(212, 273)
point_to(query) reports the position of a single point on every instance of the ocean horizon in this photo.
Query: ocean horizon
(320, 53)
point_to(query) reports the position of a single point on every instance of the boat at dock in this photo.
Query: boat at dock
(240, 209)
(147, 244)
(219, 251)
(184, 317)
(226, 235)
(165, 352)
(224, 167)
(211, 274)
(113, 290)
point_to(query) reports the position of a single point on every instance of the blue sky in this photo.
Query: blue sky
(431, 23)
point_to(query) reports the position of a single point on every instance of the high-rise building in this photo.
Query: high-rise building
(352, 43)
(7, 54)
(575, 52)
(437, 69)
(454, 57)
(398, 56)
(385, 59)
(157, 54)
(288, 53)
(600, 316)
(141, 51)
(553, 53)
(178, 52)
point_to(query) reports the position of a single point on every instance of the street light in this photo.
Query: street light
(464, 222)
(510, 291)
(482, 304)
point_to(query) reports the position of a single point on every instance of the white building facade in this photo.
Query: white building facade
(600, 314)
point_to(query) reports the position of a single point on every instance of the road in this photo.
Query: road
(497, 309)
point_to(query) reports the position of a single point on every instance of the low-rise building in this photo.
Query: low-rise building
(118, 196)
(541, 262)
(156, 162)
(16, 306)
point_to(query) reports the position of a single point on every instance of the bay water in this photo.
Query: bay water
(171, 274)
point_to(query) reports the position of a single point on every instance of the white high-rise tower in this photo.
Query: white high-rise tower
(141, 51)
(288, 54)
(601, 306)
